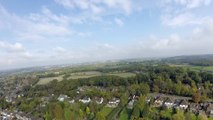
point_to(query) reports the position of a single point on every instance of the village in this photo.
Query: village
(154, 100)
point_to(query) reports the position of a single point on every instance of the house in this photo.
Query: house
(169, 103)
(45, 101)
(211, 113)
(130, 104)
(158, 101)
(57, 73)
(113, 103)
(61, 98)
(148, 99)
(85, 100)
(5, 115)
(8, 99)
(99, 100)
(132, 101)
(183, 105)
(135, 97)
(177, 103)
(194, 107)
(72, 101)
(209, 110)
(81, 89)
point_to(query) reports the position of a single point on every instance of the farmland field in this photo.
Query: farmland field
(195, 68)
(43, 81)
(79, 75)
(124, 74)
(88, 74)
(203, 68)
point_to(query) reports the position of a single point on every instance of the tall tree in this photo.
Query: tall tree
(196, 97)
(202, 117)
(58, 112)
(87, 111)
(100, 116)
(178, 116)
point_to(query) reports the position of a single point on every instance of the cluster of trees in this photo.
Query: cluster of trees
(4, 104)
(197, 60)
(174, 114)
(163, 79)
(65, 111)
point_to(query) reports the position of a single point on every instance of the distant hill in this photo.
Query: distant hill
(199, 60)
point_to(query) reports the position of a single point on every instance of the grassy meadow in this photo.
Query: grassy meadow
(43, 81)
(80, 75)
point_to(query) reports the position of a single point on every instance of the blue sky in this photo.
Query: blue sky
(48, 32)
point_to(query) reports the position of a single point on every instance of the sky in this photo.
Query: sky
(50, 32)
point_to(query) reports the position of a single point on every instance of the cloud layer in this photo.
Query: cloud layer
(85, 30)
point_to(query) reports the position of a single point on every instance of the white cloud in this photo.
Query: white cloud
(36, 26)
(17, 47)
(183, 19)
(200, 41)
(15, 50)
(193, 3)
(98, 6)
(60, 50)
(126, 5)
(182, 13)
(119, 22)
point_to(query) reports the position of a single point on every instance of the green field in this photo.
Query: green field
(96, 73)
(105, 111)
(125, 114)
(88, 74)
(43, 81)
(124, 74)
(203, 68)
(210, 118)
(79, 75)
(195, 68)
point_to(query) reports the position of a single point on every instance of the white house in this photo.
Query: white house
(72, 101)
(114, 102)
(169, 103)
(99, 100)
(62, 97)
(85, 100)
(158, 101)
(9, 99)
(148, 99)
(183, 105)
(130, 104)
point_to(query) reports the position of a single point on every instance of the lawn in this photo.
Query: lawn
(210, 118)
(105, 111)
(88, 74)
(125, 114)
(43, 81)
(124, 74)
(204, 68)
(195, 68)
(79, 75)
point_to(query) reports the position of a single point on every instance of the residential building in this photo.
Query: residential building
(85, 100)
